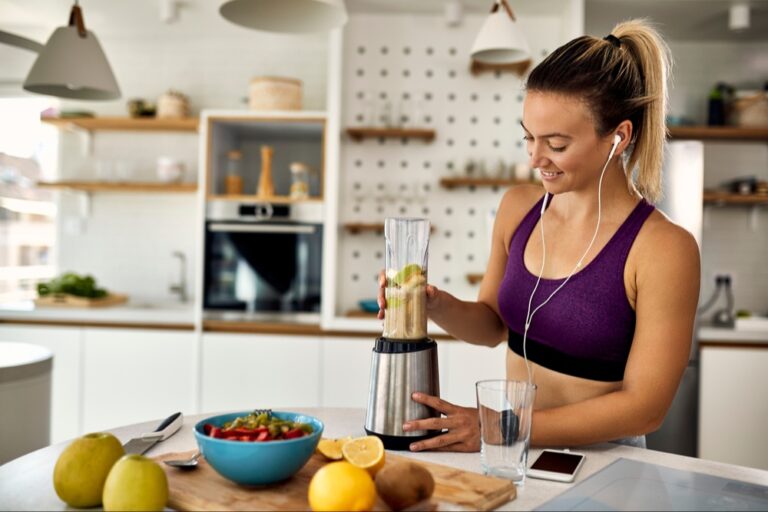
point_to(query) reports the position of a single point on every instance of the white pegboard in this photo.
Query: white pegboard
(420, 66)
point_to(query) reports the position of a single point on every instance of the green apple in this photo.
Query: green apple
(83, 466)
(136, 483)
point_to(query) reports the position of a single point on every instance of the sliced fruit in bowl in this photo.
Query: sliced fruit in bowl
(256, 462)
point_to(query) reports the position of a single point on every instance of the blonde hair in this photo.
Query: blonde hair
(622, 77)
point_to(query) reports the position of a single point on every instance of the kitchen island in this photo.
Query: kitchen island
(27, 482)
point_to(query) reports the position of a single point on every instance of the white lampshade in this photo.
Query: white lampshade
(292, 16)
(71, 66)
(500, 40)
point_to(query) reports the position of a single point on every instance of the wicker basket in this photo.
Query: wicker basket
(751, 111)
(274, 93)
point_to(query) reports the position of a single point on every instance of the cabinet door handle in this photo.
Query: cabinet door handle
(261, 228)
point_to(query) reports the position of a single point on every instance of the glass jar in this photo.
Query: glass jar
(299, 180)
(233, 182)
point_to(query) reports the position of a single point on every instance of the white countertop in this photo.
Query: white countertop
(724, 334)
(161, 313)
(26, 483)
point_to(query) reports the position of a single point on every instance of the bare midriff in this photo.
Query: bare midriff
(556, 389)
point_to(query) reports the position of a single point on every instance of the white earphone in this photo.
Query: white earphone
(529, 315)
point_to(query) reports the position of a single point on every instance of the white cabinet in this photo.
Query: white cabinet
(65, 343)
(346, 364)
(464, 365)
(135, 375)
(250, 371)
(733, 409)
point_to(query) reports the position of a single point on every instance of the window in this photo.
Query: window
(27, 214)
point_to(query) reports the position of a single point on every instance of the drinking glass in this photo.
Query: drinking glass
(505, 408)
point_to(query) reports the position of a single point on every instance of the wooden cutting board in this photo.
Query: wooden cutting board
(71, 301)
(204, 489)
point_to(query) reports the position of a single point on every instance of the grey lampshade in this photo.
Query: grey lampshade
(74, 67)
(292, 16)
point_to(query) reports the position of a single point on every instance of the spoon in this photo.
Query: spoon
(184, 463)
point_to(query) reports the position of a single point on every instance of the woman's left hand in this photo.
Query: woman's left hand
(463, 424)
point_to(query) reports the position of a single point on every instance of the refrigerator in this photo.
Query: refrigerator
(683, 188)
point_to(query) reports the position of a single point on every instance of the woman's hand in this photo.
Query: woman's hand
(432, 295)
(463, 424)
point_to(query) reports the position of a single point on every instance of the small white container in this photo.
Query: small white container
(275, 93)
(170, 170)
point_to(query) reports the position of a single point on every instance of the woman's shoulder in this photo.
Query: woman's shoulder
(662, 241)
(515, 204)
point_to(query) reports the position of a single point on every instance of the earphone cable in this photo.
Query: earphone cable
(529, 314)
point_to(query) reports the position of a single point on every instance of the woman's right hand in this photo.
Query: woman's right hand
(433, 295)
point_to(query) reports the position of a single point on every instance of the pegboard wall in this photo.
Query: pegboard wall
(413, 70)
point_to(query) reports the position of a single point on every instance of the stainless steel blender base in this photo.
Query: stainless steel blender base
(398, 369)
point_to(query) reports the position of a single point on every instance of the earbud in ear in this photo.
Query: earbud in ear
(616, 139)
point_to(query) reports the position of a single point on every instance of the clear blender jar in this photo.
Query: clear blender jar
(407, 251)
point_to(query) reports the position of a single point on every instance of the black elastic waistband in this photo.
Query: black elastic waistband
(553, 359)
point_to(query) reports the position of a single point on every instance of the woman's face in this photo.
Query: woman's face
(562, 142)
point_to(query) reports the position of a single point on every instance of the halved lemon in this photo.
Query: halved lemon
(365, 452)
(331, 448)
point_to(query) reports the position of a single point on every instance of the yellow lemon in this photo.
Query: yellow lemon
(365, 452)
(331, 448)
(341, 486)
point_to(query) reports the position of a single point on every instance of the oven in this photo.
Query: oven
(263, 261)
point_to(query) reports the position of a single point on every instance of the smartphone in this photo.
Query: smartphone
(556, 465)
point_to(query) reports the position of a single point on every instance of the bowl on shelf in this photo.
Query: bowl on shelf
(254, 462)
(369, 305)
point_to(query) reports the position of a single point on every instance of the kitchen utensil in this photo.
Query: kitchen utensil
(184, 463)
(166, 429)
(204, 489)
(266, 184)
(404, 358)
(258, 463)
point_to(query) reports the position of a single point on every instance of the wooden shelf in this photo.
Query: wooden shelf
(474, 278)
(450, 183)
(355, 228)
(105, 186)
(188, 124)
(361, 133)
(717, 197)
(359, 313)
(718, 133)
(260, 199)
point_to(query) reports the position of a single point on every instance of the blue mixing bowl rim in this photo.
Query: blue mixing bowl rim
(199, 426)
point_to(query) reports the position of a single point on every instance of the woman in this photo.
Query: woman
(606, 349)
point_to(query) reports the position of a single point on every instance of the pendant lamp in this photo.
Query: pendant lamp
(289, 16)
(500, 40)
(73, 65)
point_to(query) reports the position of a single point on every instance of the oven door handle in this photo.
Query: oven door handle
(261, 228)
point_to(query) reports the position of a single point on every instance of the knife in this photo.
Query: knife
(166, 429)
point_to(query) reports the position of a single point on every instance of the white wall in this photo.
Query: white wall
(734, 239)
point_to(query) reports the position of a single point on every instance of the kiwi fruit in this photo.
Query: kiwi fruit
(403, 484)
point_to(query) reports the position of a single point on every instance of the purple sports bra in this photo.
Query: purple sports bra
(586, 330)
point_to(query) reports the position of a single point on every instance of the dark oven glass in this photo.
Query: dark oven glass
(263, 266)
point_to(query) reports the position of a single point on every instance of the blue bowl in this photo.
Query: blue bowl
(258, 463)
(369, 305)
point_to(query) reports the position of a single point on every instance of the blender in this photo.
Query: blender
(404, 359)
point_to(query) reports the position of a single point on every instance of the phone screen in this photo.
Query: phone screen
(557, 462)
